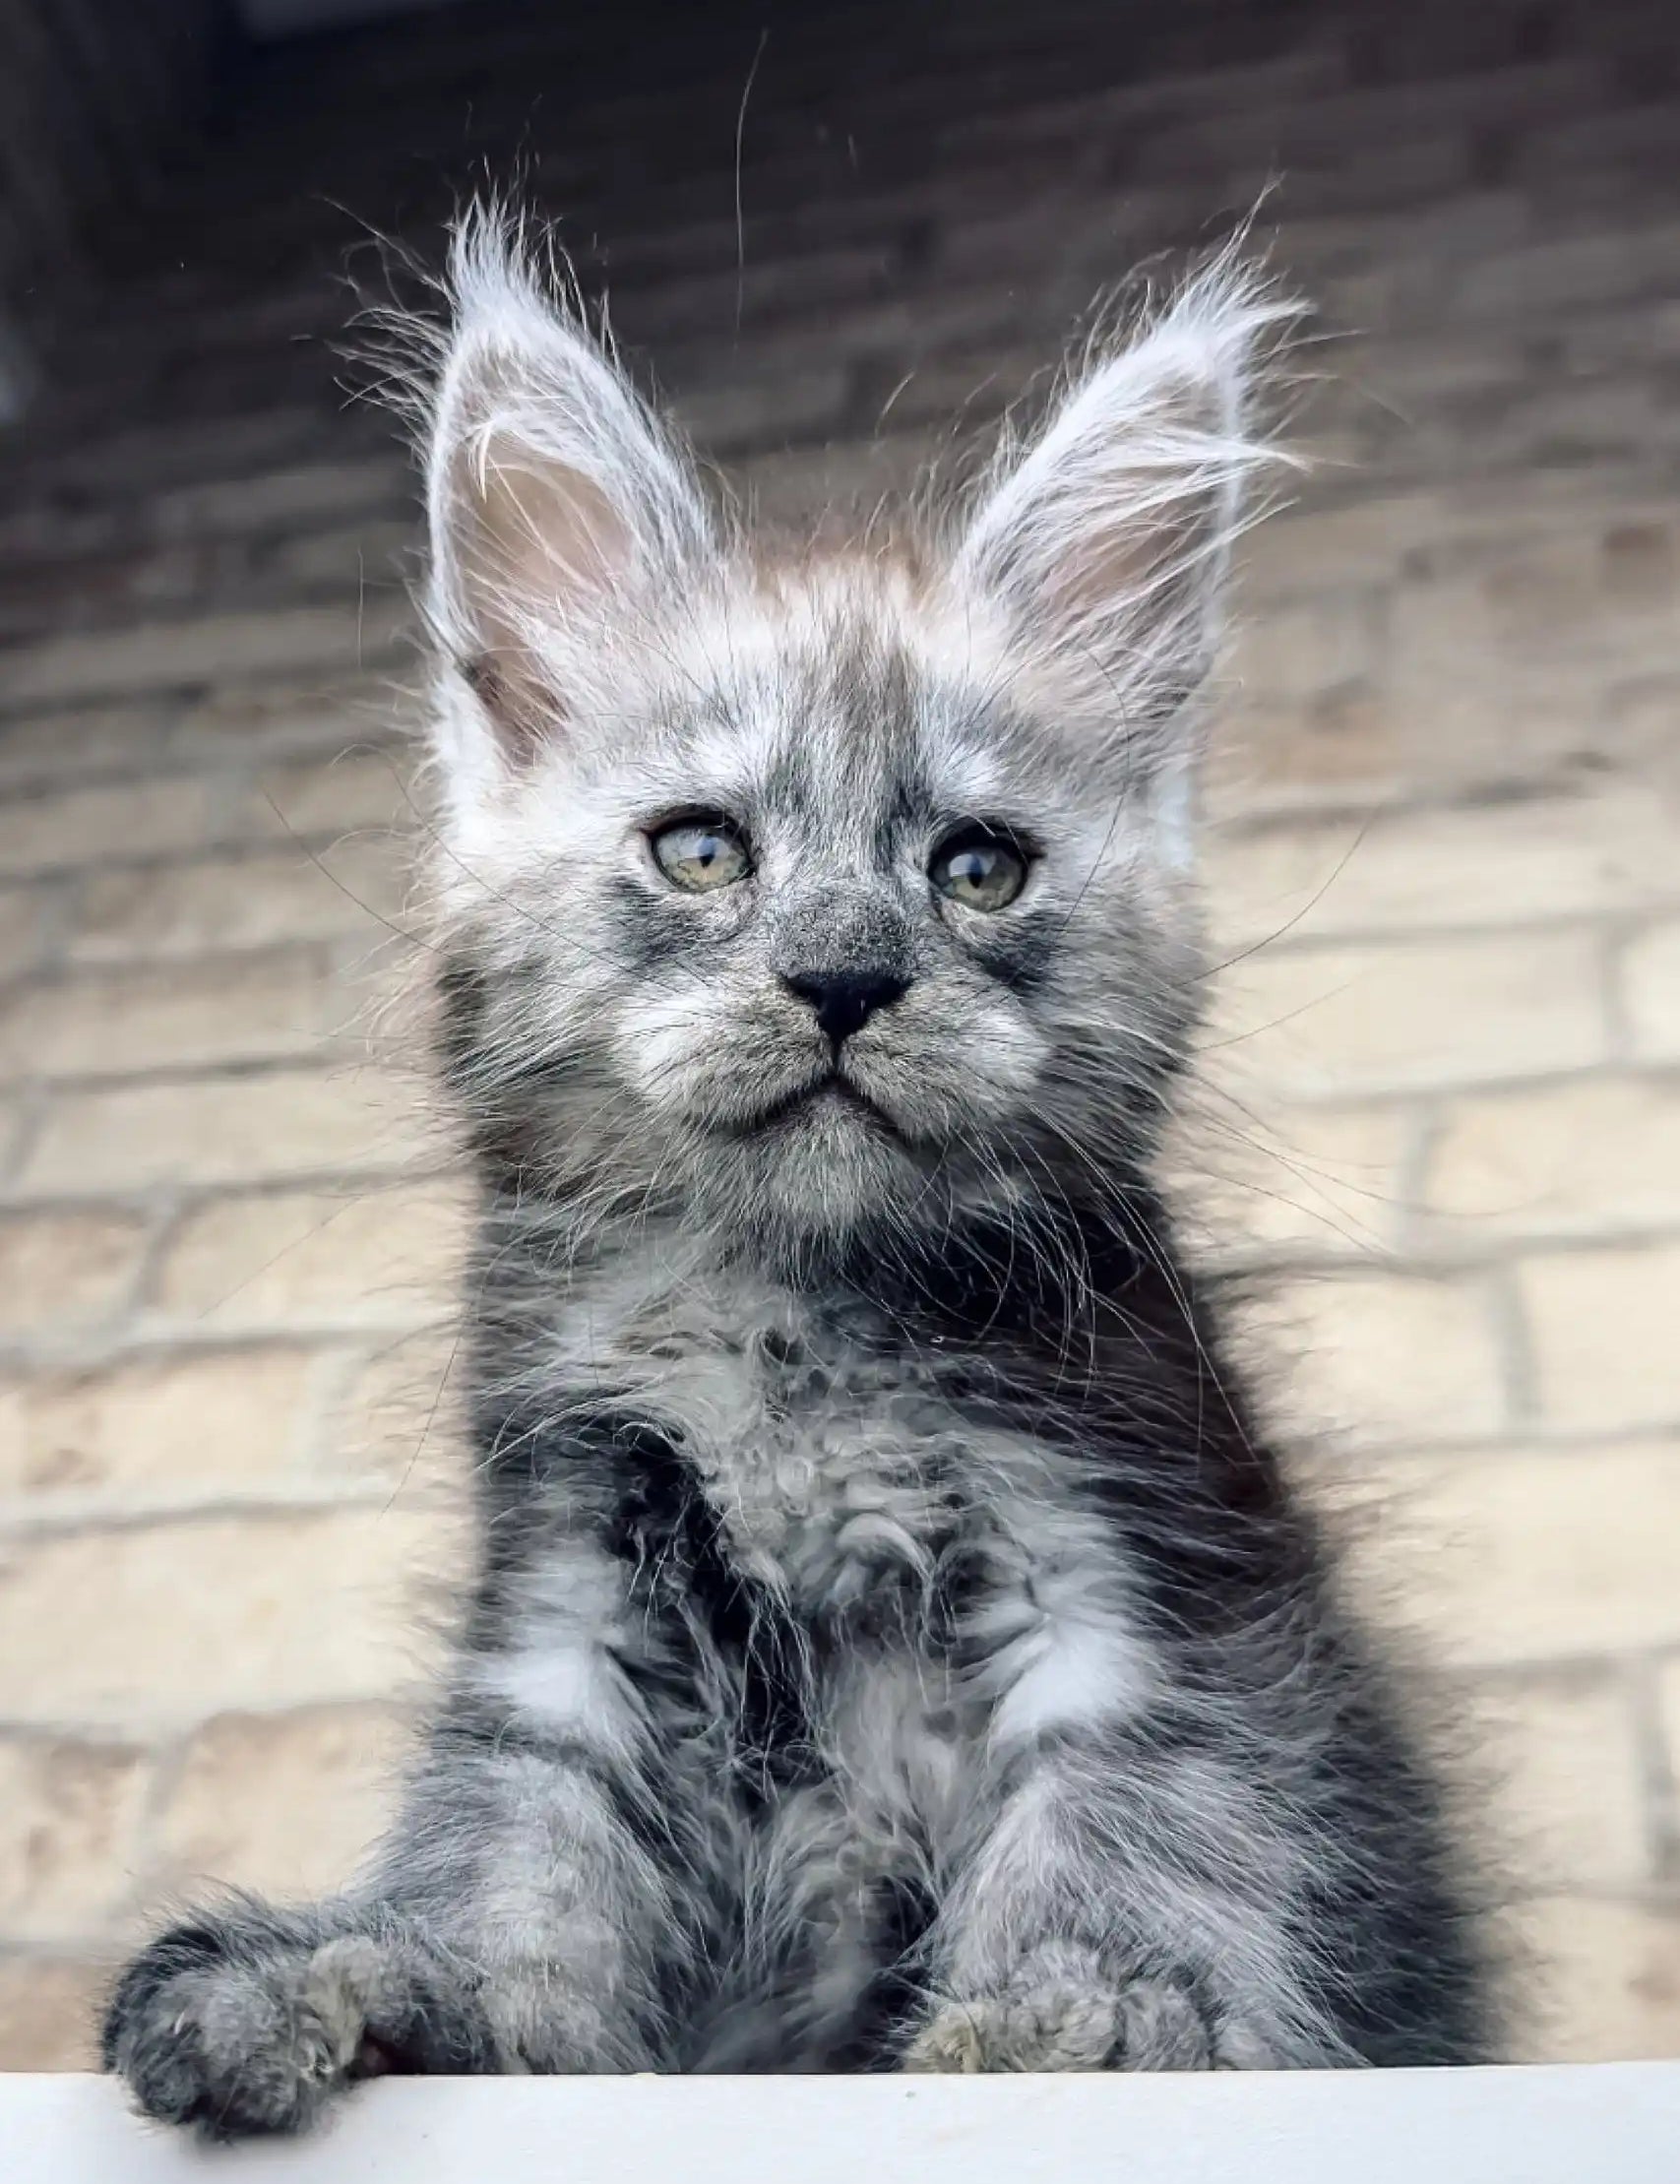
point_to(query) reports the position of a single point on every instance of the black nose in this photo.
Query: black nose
(846, 1000)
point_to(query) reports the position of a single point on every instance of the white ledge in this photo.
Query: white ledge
(1608, 2123)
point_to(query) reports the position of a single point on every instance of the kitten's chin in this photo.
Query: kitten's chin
(824, 1169)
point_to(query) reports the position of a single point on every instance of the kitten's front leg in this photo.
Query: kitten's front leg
(243, 2021)
(519, 1920)
(1122, 1909)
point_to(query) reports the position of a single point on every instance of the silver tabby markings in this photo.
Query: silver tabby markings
(893, 1645)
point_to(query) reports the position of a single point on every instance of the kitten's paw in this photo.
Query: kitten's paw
(1063, 2025)
(245, 2027)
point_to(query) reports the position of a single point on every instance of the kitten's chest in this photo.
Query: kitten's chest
(843, 1480)
(831, 1468)
(812, 1469)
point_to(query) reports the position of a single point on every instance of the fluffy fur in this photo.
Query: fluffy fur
(893, 1645)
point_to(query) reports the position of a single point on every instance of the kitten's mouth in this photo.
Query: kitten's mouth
(829, 1090)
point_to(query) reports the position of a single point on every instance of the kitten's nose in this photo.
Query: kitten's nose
(846, 1000)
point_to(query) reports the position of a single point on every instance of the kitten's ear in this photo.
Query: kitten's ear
(1107, 535)
(557, 500)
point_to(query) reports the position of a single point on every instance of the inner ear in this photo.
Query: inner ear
(522, 704)
(539, 533)
(1132, 565)
(562, 507)
(1107, 533)
(534, 542)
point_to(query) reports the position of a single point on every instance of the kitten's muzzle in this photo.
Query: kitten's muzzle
(833, 1085)
(846, 1000)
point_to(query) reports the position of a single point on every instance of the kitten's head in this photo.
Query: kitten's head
(818, 899)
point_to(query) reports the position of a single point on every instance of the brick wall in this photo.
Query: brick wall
(1441, 1123)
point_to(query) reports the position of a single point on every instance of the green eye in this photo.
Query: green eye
(701, 855)
(982, 869)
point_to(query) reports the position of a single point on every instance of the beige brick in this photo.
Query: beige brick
(49, 2012)
(1568, 1805)
(389, 1009)
(88, 826)
(383, 1256)
(330, 713)
(307, 491)
(1314, 1181)
(70, 1816)
(1650, 975)
(1668, 1702)
(781, 405)
(166, 1623)
(1287, 757)
(1532, 1555)
(1606, 1982)
(1307, 550)
(1380, 1359)
(253, 1008)
(1494, 864)
(1602, 1326)
(71, 746)
(21, 929)
(802, 485)
(1641, 729)
(163, 656)
(399, 1420)
(359, 885)
(287, 1805)
(160, 1428)
(291, 1123)
(1535, 598)
(1574, 1159)
(66, 1269)
(366, 788)
(1326, 1022)
(331, 563)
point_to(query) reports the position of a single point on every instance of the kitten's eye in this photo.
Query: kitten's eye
(982, 869)
(701, 855)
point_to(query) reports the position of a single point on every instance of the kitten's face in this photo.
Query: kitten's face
(826, 901)
(826, 928)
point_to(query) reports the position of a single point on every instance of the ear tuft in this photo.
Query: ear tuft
(1107, 535)
(557, 499)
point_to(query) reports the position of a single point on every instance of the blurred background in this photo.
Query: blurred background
(1441, 1126)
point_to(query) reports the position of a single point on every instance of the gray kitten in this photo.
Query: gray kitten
(891, 1646)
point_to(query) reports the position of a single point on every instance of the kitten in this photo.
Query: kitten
(892, 1645)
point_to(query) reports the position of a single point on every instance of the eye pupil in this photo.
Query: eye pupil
(700, 855)
(983, 871)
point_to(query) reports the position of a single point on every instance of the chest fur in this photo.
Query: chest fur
(833, 1473)
(841, 1478)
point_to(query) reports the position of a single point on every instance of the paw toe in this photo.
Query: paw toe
(246, 2030)
(1044, 2030)
(229, 2043)
(1063, 2025)
(953, 2041)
